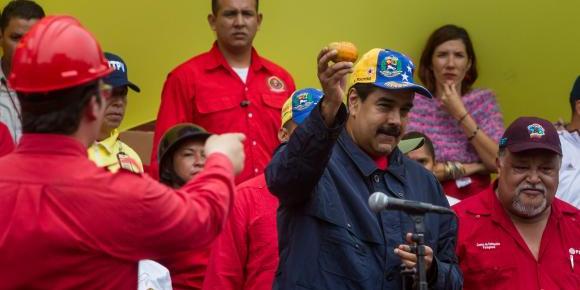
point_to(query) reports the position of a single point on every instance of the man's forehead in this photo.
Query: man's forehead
(534, 154)
(402, 97)
(20, 25)
(234, 5)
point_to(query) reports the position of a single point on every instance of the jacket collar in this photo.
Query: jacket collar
(109, 143)
(51, 144)
(217, 59)
(365, 163)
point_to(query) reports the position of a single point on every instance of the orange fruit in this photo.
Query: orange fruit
(346, 51)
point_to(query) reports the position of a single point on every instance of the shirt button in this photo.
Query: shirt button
(357, 246)
(256, 170)
(477, 216)
(254, 143)
(250, 115)
(376, 178)
(246, 89)
(348, 226)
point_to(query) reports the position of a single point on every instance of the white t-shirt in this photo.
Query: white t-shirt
(569, 187)
(242, 73)
(153, 276)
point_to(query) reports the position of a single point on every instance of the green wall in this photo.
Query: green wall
(528, 51)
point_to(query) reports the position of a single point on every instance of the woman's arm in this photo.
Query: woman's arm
(484, 145)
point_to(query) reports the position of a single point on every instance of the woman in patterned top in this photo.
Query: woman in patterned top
(464, 123)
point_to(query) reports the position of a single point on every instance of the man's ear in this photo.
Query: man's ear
(498, 164)
(260, 17)
(353, 101)
(283, 135)
(94, 107)
(211, 21)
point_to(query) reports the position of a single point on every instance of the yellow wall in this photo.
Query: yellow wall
(528, 50)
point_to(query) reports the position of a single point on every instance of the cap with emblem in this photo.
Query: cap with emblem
(300, 104)
(527, 133)
(119, 76)
(387, 69)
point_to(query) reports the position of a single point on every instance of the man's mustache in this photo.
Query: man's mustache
(540, 189)
(394, 131)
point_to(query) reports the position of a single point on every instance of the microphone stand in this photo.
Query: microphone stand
(419, 274)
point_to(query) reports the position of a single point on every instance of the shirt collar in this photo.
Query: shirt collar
(109, 143)
(218, 60)
(50, 143)
(365, 163)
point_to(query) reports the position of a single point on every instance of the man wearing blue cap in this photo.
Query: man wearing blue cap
(332, 163)
(245, 255)
(109, 151)
(569, 188)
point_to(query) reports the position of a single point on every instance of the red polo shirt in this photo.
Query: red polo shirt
(245, 255)
(206, 91)
(493, 255)
(67, 224)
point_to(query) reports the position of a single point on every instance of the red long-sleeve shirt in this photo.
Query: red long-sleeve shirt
(206, 91)
(493, 255)
(67, 224)
(245, 255)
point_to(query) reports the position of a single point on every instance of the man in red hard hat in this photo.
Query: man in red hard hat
(64, 222)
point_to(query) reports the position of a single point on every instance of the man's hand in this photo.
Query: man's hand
(410, 259)
(231, 145)
(333, 81)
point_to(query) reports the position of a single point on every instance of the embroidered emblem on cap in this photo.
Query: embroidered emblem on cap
(391, 66)
(396, 85)
(302, 102)
(276, 84)
(536, 131)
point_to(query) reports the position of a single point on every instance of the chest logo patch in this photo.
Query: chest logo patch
(488, 245)
(276, 85)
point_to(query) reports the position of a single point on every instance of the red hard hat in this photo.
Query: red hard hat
(57, 53)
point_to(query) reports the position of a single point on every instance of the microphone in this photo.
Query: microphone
(379, 201)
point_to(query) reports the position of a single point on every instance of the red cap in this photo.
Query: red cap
(57, 53)
(527, 133)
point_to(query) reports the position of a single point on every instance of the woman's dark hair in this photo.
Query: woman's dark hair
(167, 174)
(439, 36)
(56, 112)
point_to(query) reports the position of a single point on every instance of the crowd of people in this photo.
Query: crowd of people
(257, 184)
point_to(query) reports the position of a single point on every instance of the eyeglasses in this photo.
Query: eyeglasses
(105, 90)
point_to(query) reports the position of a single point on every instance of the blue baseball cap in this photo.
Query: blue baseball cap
(300, 104)
(119, 75)
(387, 69)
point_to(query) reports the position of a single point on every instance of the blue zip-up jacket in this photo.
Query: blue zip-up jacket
(329, 239)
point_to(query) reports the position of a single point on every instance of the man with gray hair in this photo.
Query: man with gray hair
(517, 234)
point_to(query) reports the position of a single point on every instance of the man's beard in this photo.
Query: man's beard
(529, 210)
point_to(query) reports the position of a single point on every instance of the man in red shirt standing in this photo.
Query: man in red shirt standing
(66, 223)
(517, 234)
(229, 88)
(245, 255)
